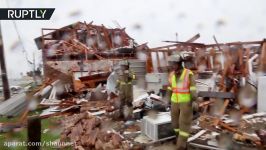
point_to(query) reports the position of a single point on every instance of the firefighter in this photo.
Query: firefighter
(125, 89)
(183, 92)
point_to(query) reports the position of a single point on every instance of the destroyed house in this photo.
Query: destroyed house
(82, 49)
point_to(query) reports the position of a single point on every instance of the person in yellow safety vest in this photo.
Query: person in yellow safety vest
(183, 92)
(125, 89)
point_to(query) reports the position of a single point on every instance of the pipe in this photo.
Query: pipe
(211, 61)
(45, 90)
(205, 146)
(222, 60)
(250, 64)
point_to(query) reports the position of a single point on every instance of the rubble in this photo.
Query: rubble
(86, 131)
(97, 103)
(83, 50)
(80, 65)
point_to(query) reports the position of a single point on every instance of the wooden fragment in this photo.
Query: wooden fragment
(234, 43)
(242, 135)
(194, 38)
(262, 66)
(106, 36)
(158, 61)
(149, 66)
(203, 104)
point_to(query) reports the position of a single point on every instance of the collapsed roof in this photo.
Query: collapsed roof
(81, 38)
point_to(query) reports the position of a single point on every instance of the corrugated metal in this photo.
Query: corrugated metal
(13, 106)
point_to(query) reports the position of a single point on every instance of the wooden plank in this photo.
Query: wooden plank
(198, 45)
(234, 43)
(149, 64)
(262, 66)
(217, 43)
(194, 38)
(167, 47)
(158, 61)
(106, 36)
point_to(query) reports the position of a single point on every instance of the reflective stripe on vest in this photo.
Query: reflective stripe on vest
(181, 91)
(183, 133)
(133, 76)
(122, 82)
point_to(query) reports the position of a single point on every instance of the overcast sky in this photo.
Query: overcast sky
(149, 21)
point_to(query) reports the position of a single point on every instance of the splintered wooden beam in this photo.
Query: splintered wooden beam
(226, 126)
(158, 60)
(162, 47)
(194, 38)
(167, 47)
(189, 42)
(197, 45)
(217, 43)
(263, 58)
(234, 43)
(163, 50)
(206, 103)
(149, 64)
(201, 45)
(242, 134)
(106, 37)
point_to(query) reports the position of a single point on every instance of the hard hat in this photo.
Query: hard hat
(175, 58)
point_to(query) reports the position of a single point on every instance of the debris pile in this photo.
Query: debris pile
(86, 132)
(84, 57)
(246, 131)
(83, 53)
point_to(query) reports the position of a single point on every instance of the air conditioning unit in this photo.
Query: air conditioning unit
(158, 128)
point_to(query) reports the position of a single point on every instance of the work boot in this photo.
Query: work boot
(181, 143)
(181, 147)
(176, 141)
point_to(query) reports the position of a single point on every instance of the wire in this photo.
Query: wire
(19, 37)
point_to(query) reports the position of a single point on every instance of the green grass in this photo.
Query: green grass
(51, 125)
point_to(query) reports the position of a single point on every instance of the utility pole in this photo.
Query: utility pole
(3, 68)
